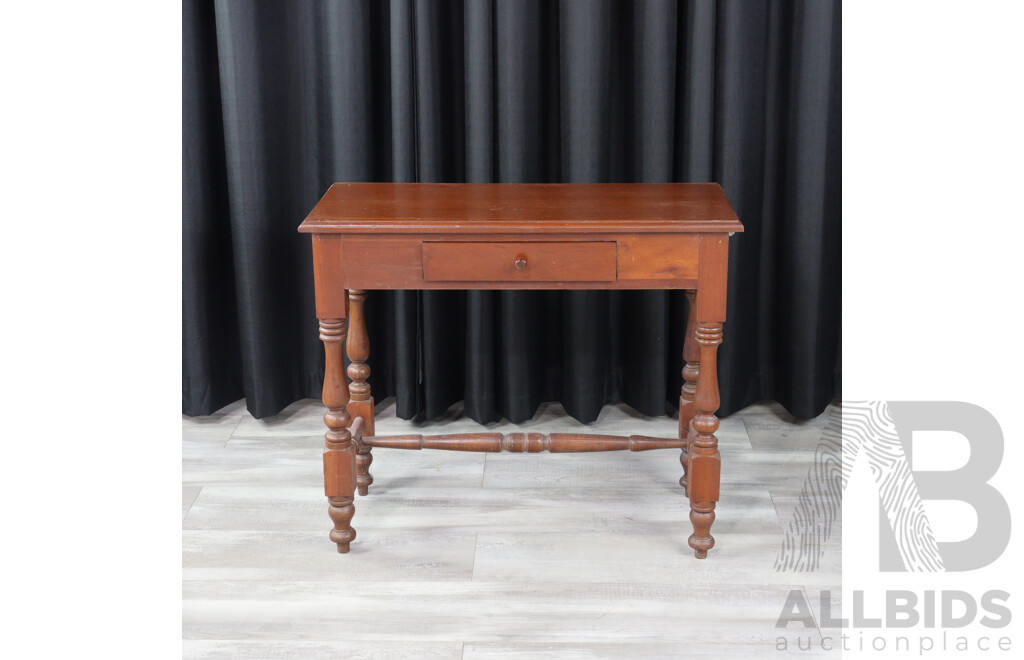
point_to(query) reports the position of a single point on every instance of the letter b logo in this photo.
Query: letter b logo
(882, 433)
(967, 484)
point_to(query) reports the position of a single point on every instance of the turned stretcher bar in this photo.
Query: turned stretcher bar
(523, 442)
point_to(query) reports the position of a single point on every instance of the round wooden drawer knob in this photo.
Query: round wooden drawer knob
(520, 263)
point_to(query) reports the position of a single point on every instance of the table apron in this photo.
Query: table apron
(375, 262)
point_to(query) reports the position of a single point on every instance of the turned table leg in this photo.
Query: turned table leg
(361, 405)
(705, 461)
(339, 450)
(691, 369)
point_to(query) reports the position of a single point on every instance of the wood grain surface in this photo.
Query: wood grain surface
(522, 207)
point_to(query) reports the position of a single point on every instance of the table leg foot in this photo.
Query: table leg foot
(341, 511)
(702, 515)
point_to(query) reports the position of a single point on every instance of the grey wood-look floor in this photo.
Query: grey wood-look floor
(463, 555)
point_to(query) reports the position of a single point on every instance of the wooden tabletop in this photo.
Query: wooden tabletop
(447, 208)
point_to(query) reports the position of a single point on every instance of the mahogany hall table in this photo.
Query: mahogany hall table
(518, 236)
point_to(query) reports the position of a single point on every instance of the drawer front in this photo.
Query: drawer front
(591, 261)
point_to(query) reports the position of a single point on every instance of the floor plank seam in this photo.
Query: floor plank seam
(191, 504)
(472, 569)
(814, 612)
(778, 514)
(233, 429)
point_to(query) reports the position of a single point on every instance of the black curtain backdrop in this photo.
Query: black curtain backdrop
(280, 99)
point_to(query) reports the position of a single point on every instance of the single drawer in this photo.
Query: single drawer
(592, 261)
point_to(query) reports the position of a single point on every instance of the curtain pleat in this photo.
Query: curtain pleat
(282, 99)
